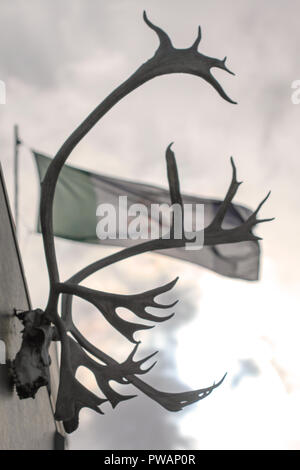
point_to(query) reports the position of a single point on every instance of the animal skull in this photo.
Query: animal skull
(30, 369)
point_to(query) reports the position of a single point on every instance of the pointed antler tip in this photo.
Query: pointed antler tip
(146, 19)
(165, 41)
(232, 163)
(234, 171)
(197, 40)
(267, 197)
(225, 67)
(220, 382)
(262, 202)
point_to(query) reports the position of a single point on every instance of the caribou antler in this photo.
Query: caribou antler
(107, 303)
(72, 395)
(166, 60)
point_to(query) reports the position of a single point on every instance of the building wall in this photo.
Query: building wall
(24, 424)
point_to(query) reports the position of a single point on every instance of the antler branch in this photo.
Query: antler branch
(122, 373)
(166, 60)
(214, 234)
(108, 303)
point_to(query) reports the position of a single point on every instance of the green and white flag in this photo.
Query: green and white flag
(78, 196)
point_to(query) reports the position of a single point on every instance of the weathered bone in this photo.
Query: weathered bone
(30, 369)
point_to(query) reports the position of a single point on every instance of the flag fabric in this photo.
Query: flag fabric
(79, 193)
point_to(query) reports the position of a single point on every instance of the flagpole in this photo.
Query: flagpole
(16, 173)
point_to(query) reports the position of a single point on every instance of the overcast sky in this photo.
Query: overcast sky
(59, 59)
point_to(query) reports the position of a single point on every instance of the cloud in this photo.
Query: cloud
(247, 368)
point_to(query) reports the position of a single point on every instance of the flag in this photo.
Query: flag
(79, 193)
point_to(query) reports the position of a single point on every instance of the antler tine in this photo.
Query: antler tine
(252, 219)
(164, 40)
(175, 401)
(173, 179)
(228, 198)
(214, 234)
(224, 66)
(175, 196)
(198, 40)
(261, 204)
(108, 303)
(260, 221)
(136, 365)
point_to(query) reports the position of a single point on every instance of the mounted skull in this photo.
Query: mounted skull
(30, 369)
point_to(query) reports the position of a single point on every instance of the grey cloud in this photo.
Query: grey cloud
(40, 38)
(248, 367)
